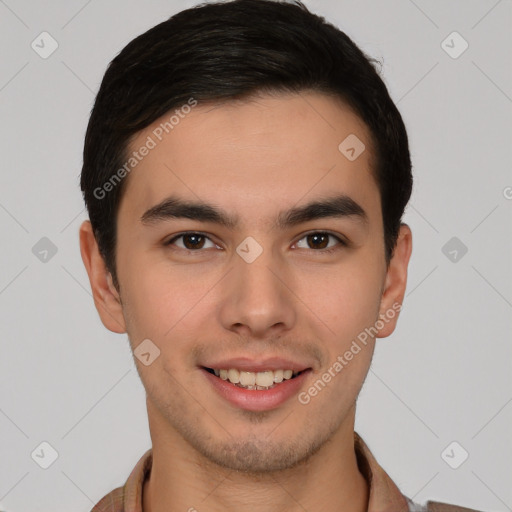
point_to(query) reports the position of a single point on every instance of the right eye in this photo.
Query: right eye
(192, 241)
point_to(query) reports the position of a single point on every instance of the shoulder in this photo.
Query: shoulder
(435, 506)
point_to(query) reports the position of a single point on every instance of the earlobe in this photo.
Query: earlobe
(105, 295)
(396, 282)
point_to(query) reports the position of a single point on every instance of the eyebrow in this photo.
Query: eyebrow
(340, 206)
(174, 208)
(337, 207)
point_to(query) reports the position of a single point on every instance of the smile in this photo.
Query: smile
(262, 380)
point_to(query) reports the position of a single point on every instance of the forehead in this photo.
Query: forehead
(260, 154)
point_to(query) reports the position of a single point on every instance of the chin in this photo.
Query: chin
(260, 457)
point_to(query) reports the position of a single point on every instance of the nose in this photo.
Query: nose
(257, 302)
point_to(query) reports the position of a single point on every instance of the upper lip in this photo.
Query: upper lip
(260, 365)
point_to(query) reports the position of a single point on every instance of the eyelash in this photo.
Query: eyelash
(187, 233)
(340, 242)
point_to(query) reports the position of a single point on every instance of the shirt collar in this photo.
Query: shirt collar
(384, 494)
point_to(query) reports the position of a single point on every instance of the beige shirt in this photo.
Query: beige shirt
(384, 494)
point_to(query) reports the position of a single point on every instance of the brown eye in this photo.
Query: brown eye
(318, 241)
(192, 242)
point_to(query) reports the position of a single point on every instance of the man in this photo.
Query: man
(245, 173)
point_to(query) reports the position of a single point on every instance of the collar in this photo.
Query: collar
(384, 494)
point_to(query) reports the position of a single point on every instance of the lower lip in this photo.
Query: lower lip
(254, 399)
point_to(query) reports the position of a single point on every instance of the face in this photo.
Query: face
(250, 250)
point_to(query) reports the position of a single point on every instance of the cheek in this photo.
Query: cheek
(349, 309)
(345, 298)
(335, 388)
(161, 304)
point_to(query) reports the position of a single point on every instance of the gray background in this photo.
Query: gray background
(444, 375)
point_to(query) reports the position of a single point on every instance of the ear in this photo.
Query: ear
(395, 284)
(106, 296)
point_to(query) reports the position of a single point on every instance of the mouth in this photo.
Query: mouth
(256, 384)
(255, 381)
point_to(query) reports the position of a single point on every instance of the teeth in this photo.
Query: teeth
(278, 376)
(253, 380)
(234, 375)
(247, 378)
(265, 379)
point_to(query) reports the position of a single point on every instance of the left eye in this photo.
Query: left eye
(318, 241)
(192, 241)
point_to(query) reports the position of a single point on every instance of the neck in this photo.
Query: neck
(181, 479)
